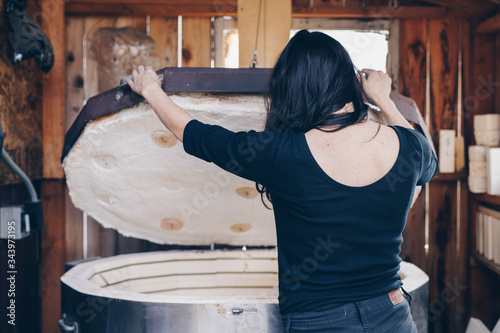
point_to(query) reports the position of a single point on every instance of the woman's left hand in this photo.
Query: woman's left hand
(145, 79)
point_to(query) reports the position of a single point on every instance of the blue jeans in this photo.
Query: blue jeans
(374, 315)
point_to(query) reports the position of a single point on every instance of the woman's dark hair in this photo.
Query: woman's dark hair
(313, 78)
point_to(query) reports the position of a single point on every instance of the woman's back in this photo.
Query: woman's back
(357, 155)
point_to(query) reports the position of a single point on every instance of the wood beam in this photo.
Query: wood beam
(53, 256)
(161, 8)
(52, 191)
(209, 8)
(467, 8)
(53, 98)
(274, 30)
(406, 12)
(491, 25)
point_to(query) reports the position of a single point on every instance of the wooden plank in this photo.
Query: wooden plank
(52, 253)
(490, 26)
(405, 12)
(74, 103)
(459, 320)
(73, 218)
(483, 99)
(443, 261)
(53, 103)
(229, 8)
(207, 10)
(442, 256)
(164, 32)
(196, 42)
(444, 50)
(274, 30)
(91, 74)
(393, 53)
(468, 89)
(101, 241)
(413, 34)
(497, 74)
(484, 294)
(136, 22)
(126, 245)
(74, 68)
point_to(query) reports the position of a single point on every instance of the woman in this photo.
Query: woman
(340, 185)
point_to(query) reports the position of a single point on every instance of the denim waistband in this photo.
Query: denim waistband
(347, 310)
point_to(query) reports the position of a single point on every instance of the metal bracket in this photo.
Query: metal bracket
(237, 311)
(26, 37)
(67, 328)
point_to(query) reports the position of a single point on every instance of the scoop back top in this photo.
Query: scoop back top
(336, 243)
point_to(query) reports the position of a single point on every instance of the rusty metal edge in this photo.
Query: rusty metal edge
(177, 80)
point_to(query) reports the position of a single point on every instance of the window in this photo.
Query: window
(371, 44)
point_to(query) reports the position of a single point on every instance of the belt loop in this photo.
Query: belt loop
(407, 294)
(362, 315)
(285, 320)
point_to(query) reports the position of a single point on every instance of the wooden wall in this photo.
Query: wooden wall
(20, 109)
(428, 51)
(457, 290)
(483, 96)
(196, 52)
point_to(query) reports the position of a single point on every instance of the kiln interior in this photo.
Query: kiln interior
(197, 273)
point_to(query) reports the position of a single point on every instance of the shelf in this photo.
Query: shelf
(492, 199)
(488, 263)
(447, 177)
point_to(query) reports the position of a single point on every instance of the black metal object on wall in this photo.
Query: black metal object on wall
(26, 37)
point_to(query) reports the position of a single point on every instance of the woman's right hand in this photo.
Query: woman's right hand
(376, 85)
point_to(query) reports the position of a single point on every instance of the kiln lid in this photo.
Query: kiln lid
(129, 173)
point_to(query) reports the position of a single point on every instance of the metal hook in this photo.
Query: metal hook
(254, 63)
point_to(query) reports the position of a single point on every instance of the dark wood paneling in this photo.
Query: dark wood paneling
(20, 108)
(413, 34)
(54, 90)
(53, 254)
(210, 8)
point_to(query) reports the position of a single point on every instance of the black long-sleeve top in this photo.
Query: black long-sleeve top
(336, 243)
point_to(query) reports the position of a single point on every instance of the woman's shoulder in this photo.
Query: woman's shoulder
(410, 136)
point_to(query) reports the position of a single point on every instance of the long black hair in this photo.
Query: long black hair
(313, 78)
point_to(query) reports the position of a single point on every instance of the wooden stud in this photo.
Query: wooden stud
(210, 8)
(497, 74)
(196, 42)
(74, 68)
(274, 30)
(482, 99)
(444, 49)
(91, 75)
(413, 34)
(164, 32)
(136, 22)
(53, 253)
(73, 218)
(101, 241)
(53, 104)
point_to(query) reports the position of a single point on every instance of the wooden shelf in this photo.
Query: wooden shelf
(488, 263)
(492, 199)
(447, 177)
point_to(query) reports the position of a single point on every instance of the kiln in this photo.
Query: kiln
(129, 173)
